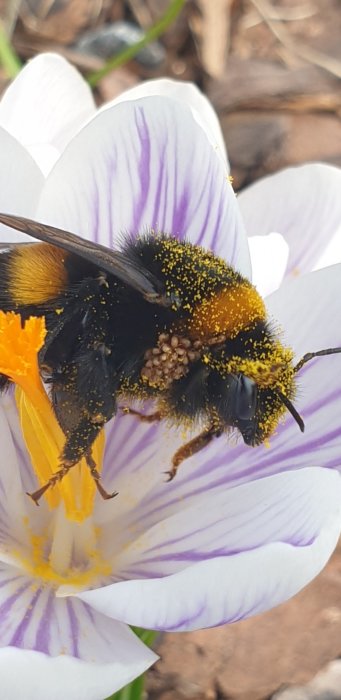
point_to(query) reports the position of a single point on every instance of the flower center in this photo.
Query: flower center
(70, 557)
(19, 347)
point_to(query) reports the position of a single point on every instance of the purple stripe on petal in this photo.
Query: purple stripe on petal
(43, 631)
(180, 214)
(7, 604)
(143, 168)
(214, 226)
(8, 580)
(161, 185)
(140, 573)
(74, 627)
(17, 639)
(183, 622)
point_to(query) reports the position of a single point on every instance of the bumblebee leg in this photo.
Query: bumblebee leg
(191, 448)
(153, 417)
(58, 476)
(97, 478)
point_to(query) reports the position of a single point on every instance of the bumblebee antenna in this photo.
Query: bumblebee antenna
(310, 356)
(291, 408)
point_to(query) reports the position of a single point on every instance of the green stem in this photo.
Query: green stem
(8, 58)
(153, 33)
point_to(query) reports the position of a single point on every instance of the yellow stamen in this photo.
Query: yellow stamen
(43, 436)
(51, 563)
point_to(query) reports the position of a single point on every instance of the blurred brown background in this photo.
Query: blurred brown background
(272, 70)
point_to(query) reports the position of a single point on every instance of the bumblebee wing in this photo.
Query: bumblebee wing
(113, 262)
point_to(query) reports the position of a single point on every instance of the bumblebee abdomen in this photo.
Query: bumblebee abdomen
(211, 297)
(31, 275)
(228, 312)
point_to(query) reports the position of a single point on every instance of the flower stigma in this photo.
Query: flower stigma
(44, 438)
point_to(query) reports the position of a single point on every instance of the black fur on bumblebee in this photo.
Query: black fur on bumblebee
(161, 319)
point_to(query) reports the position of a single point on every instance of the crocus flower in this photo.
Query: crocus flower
(240, 529)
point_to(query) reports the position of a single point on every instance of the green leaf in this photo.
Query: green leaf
(8, 58)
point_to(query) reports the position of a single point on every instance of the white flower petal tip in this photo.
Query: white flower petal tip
(188, 94)
(145, 164)
(269, 258)
(295, 519)
(303, 204)
(65, 677)
(21, 182)
(66, 105)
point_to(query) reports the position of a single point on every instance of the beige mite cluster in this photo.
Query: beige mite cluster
(169, 360)
(171, 357)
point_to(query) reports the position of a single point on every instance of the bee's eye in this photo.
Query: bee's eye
(246, 396)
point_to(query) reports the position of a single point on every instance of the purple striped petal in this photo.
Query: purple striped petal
(238, 570)
(301, 203)
(188, 94)
(141, 165)
(63, 677)
(61, 647)
(20, 183)
(225, 521)
(46, 105)
(33, 618)
(96, 654)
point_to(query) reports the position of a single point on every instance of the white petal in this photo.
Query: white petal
(63, 676)
(332, 253)
(301, 203)
(308, 311)
(143, 165)
(20, 183)
(269, 258)
(46, 104)
(228, 588)
(223, 521)
(188, 94)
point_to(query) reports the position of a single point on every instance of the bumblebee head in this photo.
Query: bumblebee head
(253, 391)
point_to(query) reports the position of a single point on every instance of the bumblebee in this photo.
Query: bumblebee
(160, 319)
